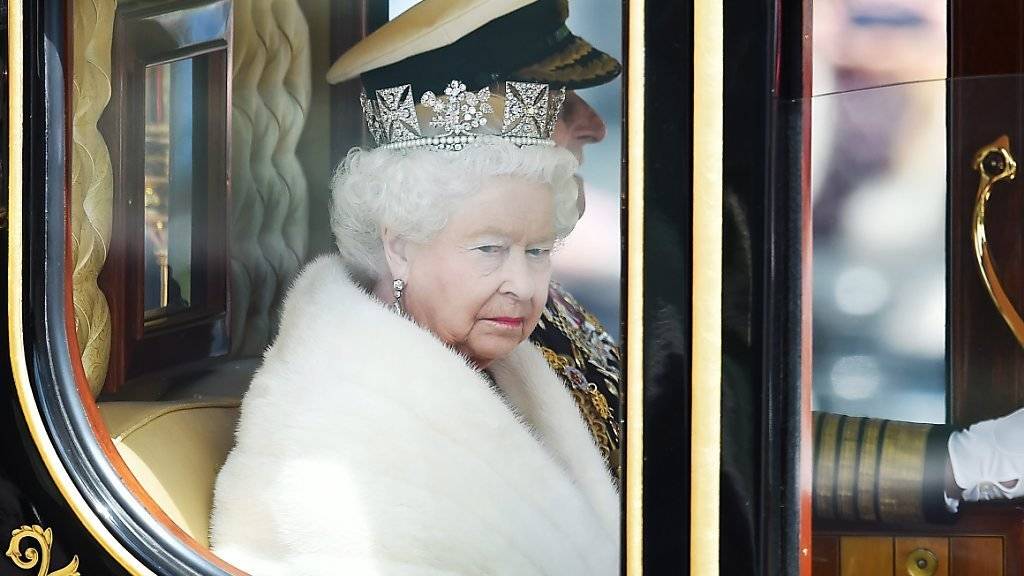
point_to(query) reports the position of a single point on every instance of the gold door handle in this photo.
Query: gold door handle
(994, 163)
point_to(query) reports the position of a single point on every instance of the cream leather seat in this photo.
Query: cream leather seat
(175, 450)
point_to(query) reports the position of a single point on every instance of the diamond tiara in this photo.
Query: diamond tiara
(460, 116)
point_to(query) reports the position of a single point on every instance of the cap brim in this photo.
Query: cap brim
(425, 26)
(578, 65)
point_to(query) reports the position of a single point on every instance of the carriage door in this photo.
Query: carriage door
(917, 127)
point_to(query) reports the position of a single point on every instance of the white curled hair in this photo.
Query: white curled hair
(413, 192)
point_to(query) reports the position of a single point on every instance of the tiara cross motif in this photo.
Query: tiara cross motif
(460, 116)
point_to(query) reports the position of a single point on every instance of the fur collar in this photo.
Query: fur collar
(367, 446)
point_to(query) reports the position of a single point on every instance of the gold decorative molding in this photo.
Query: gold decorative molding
(92, 183)
(634, 479)
(40, 556)
(706, 356)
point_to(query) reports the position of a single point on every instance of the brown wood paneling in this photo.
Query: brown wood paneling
(1001, 520)
(825, 556)
(865, 556)
(986, 37)
(987, 363)
(976, 556)
(905, 547)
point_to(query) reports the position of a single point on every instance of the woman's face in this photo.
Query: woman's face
(481, 283)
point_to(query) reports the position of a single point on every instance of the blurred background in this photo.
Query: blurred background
(589, 261)
(879, 197)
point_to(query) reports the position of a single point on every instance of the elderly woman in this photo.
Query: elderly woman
(402, 423)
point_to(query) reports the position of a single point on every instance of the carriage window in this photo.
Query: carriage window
(168, 200)
(914, 335)
(166, 276)
(221, 124)
(879, 202)
(879, 198)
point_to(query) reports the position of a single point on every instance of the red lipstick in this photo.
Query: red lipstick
(507, 322)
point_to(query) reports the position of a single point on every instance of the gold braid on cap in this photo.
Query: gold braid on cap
(460, 116)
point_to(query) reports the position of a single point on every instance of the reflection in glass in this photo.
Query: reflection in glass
(879, 196)
(864, 43)
(168, 187)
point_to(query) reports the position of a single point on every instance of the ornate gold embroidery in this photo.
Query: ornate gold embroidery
(594, 422)
(589, 400)
(600, 402)
(585, 358)
(556, 362)
(41, 556)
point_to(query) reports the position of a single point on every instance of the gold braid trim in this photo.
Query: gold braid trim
(846, 477)
(901, 473)
(578, 49)
(869, 469)
(595, 69)
(824, 467)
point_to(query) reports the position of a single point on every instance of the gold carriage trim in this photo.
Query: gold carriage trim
(37, 557)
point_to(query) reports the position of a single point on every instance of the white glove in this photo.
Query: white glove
(988, 458)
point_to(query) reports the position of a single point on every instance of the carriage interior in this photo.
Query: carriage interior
(204, 139)
(177, 288)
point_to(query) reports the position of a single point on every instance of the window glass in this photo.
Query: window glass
(234, 253)
(879, 199)
(168, 187)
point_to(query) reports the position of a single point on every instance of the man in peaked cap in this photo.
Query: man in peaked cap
(483, 43)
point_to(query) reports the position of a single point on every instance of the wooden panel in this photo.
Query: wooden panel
(865, 556)
(977, 556)
(986, 38)
(825, 556)
(905, 547)
(987, 363)
(992, 522)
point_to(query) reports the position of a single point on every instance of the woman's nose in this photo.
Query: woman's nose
(517, 278)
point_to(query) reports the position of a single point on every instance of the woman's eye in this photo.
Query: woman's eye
(489, 249)
(538, 252)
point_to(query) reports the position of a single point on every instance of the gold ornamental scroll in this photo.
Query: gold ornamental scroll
(36, 552)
